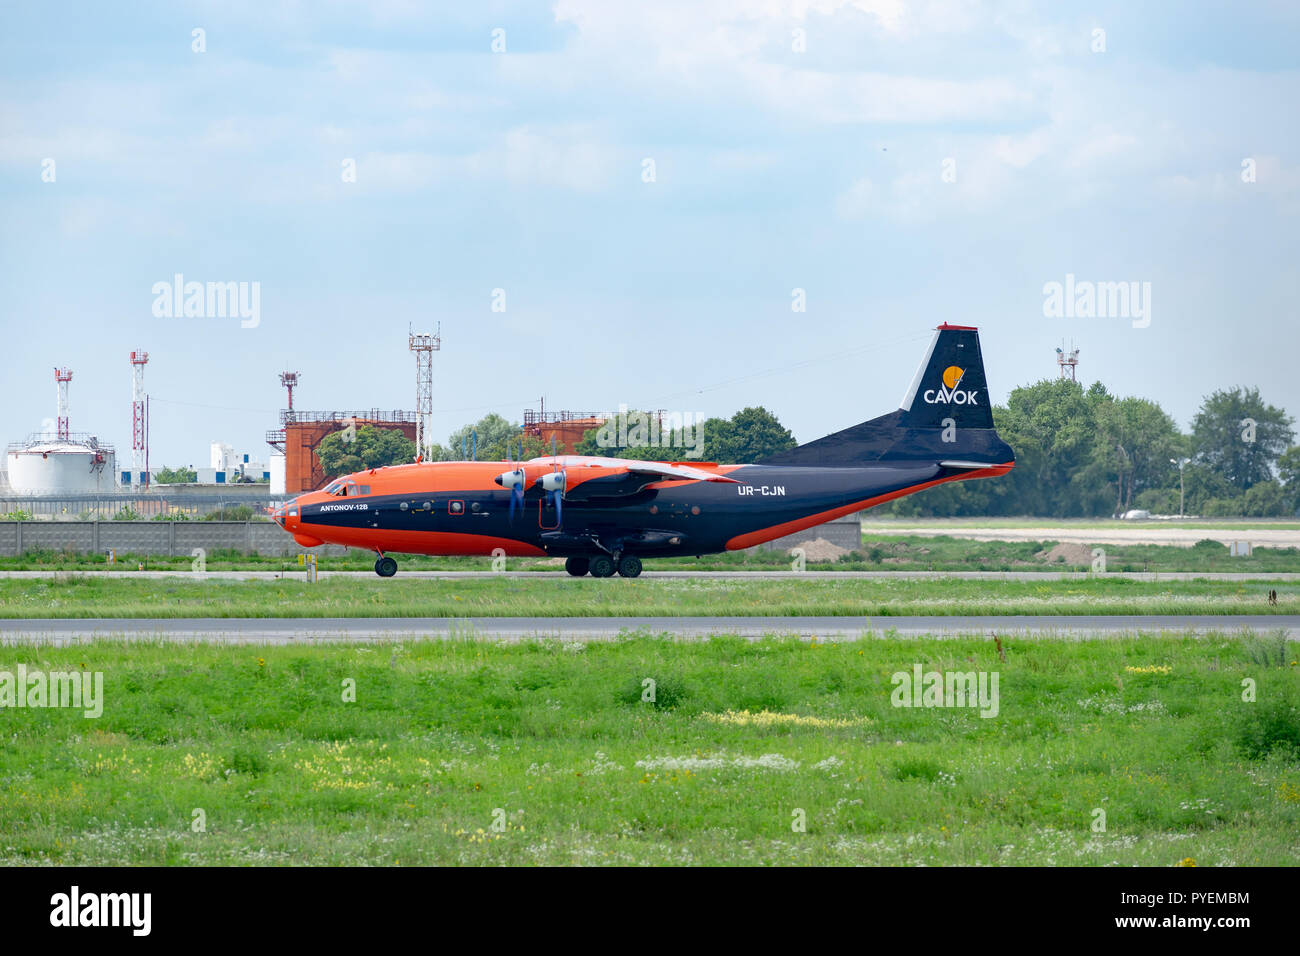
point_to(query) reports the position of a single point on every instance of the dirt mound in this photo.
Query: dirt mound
(1070, 552)
(819, 549)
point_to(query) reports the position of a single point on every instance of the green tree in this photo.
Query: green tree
(1266, 499)
(1136, 441)
(343, 452)
(642, 436)
(1204, 485)
(1224, 439)
(175, 476)
(1288, 469)
(750, 435)
(487, 438)
(1052, 426)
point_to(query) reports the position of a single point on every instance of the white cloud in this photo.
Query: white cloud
(564, 157)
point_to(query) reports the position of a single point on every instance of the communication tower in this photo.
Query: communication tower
(62, 376)
(1067, 362)
(290, 381)
(139, 421)
(424, 345)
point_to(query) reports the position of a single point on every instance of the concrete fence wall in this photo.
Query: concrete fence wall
(180, 538)
(843, 532)
(176, 538)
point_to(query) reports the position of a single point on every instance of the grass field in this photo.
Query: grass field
(881, 550)
(547, 753)
(89, 595)
(1202, 524)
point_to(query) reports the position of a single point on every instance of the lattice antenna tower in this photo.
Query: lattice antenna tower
(1067, 362)
(424, 345)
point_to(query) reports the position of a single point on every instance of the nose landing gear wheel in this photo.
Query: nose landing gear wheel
(576, 566)
(385, 567)
(601, 566)
(629, 566)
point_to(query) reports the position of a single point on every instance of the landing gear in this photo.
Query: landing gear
(577, 566)
(601, 566)
(385, 567)
(629, 566)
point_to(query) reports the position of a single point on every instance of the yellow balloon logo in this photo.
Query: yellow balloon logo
(952, 375)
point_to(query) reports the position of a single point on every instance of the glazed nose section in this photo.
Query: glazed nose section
(286, 516)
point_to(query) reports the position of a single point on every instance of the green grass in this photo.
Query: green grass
(881, 550)
(89, 595)
(1206, 524)
(554, 741)
(945, 553)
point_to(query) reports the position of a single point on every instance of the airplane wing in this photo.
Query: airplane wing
(664, 470)
(590, 476)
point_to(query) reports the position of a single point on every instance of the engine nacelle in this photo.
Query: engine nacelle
(511, 479)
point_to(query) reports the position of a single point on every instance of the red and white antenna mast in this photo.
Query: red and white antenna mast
(139, 421)
(290, 381)
(62, 376)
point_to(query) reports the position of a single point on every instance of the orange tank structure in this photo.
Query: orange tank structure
(301, 432)
(567, 429)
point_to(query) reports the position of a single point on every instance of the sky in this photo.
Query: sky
(606, 203)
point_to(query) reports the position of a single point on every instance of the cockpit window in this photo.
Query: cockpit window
(335, 488)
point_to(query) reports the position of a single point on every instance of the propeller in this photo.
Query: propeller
(513, 480)
(554, 485)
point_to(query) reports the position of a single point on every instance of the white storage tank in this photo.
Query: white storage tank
(53, 466)
(276, 467)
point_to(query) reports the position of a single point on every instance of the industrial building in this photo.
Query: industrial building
(566, 428)
(301, 432)
(73, 464)
(65, 463)
(226, 467)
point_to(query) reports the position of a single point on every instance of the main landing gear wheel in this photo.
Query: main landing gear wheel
(577, 566)
(601, 566)
(385, 567)
(629, 566)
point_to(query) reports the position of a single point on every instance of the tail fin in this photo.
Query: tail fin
(950, 383)
(946, 416)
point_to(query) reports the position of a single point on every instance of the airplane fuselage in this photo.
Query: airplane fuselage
(454, 508)
(604, 514)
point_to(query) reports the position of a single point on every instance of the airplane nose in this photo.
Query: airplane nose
(285, 512)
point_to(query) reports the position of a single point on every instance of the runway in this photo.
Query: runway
(1138, 532)
(560, 576)
(349, 630)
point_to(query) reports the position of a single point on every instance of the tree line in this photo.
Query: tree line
(1081, 453)
(1086, 453)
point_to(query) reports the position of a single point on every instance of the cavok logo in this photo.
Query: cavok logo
(950, 394)
(134, 910)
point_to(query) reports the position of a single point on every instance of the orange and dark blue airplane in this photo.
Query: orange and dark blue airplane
(604, 515)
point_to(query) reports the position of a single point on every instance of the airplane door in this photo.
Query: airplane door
(547, 519)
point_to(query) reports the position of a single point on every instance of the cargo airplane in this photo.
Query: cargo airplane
(604, 515)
